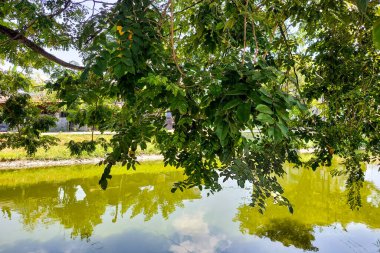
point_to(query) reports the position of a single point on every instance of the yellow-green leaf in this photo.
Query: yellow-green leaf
(264, 109)
(376, 34)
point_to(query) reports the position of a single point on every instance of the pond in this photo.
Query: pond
(64, 210)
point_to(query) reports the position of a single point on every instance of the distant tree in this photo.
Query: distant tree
(23, 116)
(87, 104)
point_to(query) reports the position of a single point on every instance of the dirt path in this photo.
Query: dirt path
(23, 164)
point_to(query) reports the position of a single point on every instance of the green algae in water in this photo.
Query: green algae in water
(63, 209)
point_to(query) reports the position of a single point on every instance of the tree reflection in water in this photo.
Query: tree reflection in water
(289, 232)
(318, 200)
(79, 204)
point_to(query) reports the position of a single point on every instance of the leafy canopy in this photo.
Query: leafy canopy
(289, 72)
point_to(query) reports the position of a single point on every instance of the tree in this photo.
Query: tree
(22, 115)
(220, 67)
(87, 104)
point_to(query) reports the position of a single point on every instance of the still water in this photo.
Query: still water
(64, 210)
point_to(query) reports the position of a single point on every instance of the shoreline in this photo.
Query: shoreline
(28, 164)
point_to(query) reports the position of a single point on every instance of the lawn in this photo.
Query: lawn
(65, 173)
(61, 152)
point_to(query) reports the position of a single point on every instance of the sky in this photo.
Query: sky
(68, 56)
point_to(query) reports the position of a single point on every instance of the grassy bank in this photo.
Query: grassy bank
(64, 173)
(61, 152)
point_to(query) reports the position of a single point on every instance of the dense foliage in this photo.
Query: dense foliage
(23, 116)
(289, 72)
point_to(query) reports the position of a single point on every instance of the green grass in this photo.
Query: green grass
(61, 152)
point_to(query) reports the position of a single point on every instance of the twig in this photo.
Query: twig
(105, 3)
(255, 38)
(159, 24)
(170, 2)
(291, 56)
(150, 3)
(270, 40)
(245, 31)
(95, 1)
(190, 6)
(93, 8)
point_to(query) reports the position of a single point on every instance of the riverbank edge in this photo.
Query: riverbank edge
(28, 164)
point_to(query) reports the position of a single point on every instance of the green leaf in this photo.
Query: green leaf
(376, 34)
(283, 115)
(131, 69)
(301, 106)
(119, 70)
(143, 145)
(243, 112)
(284, 129)
(362, 5)
(271, 131)
(184, 121)
(266, 99)
(277, 134)
(229, 24)
(231, 104)
(255, 97)
(180, 103)
(264, 109)
(257, 75)
(98, 69)
(222, 131)
(265, 118)
(314, 166)
(264, 92)
(236, 92)
(219, 26)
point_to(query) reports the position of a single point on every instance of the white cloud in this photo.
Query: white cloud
(195, 236)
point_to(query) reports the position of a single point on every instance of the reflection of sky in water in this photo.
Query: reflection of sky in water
(372, 175)
(328, 239)
(352, 238)
(194, 236)
(207, 225)
(80, 194)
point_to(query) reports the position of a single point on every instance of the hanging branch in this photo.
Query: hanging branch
(291, 56)
(163, 15)
(270, 40)
(245, 31)
(255, 38)
(174, 55)
(188, 7)
(17, 36)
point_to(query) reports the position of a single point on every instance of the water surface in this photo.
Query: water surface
(64, 210)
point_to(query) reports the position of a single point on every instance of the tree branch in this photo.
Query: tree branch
(245, 31)
(188, 7)
(17, 36)
(291, 57)
(170, 2)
